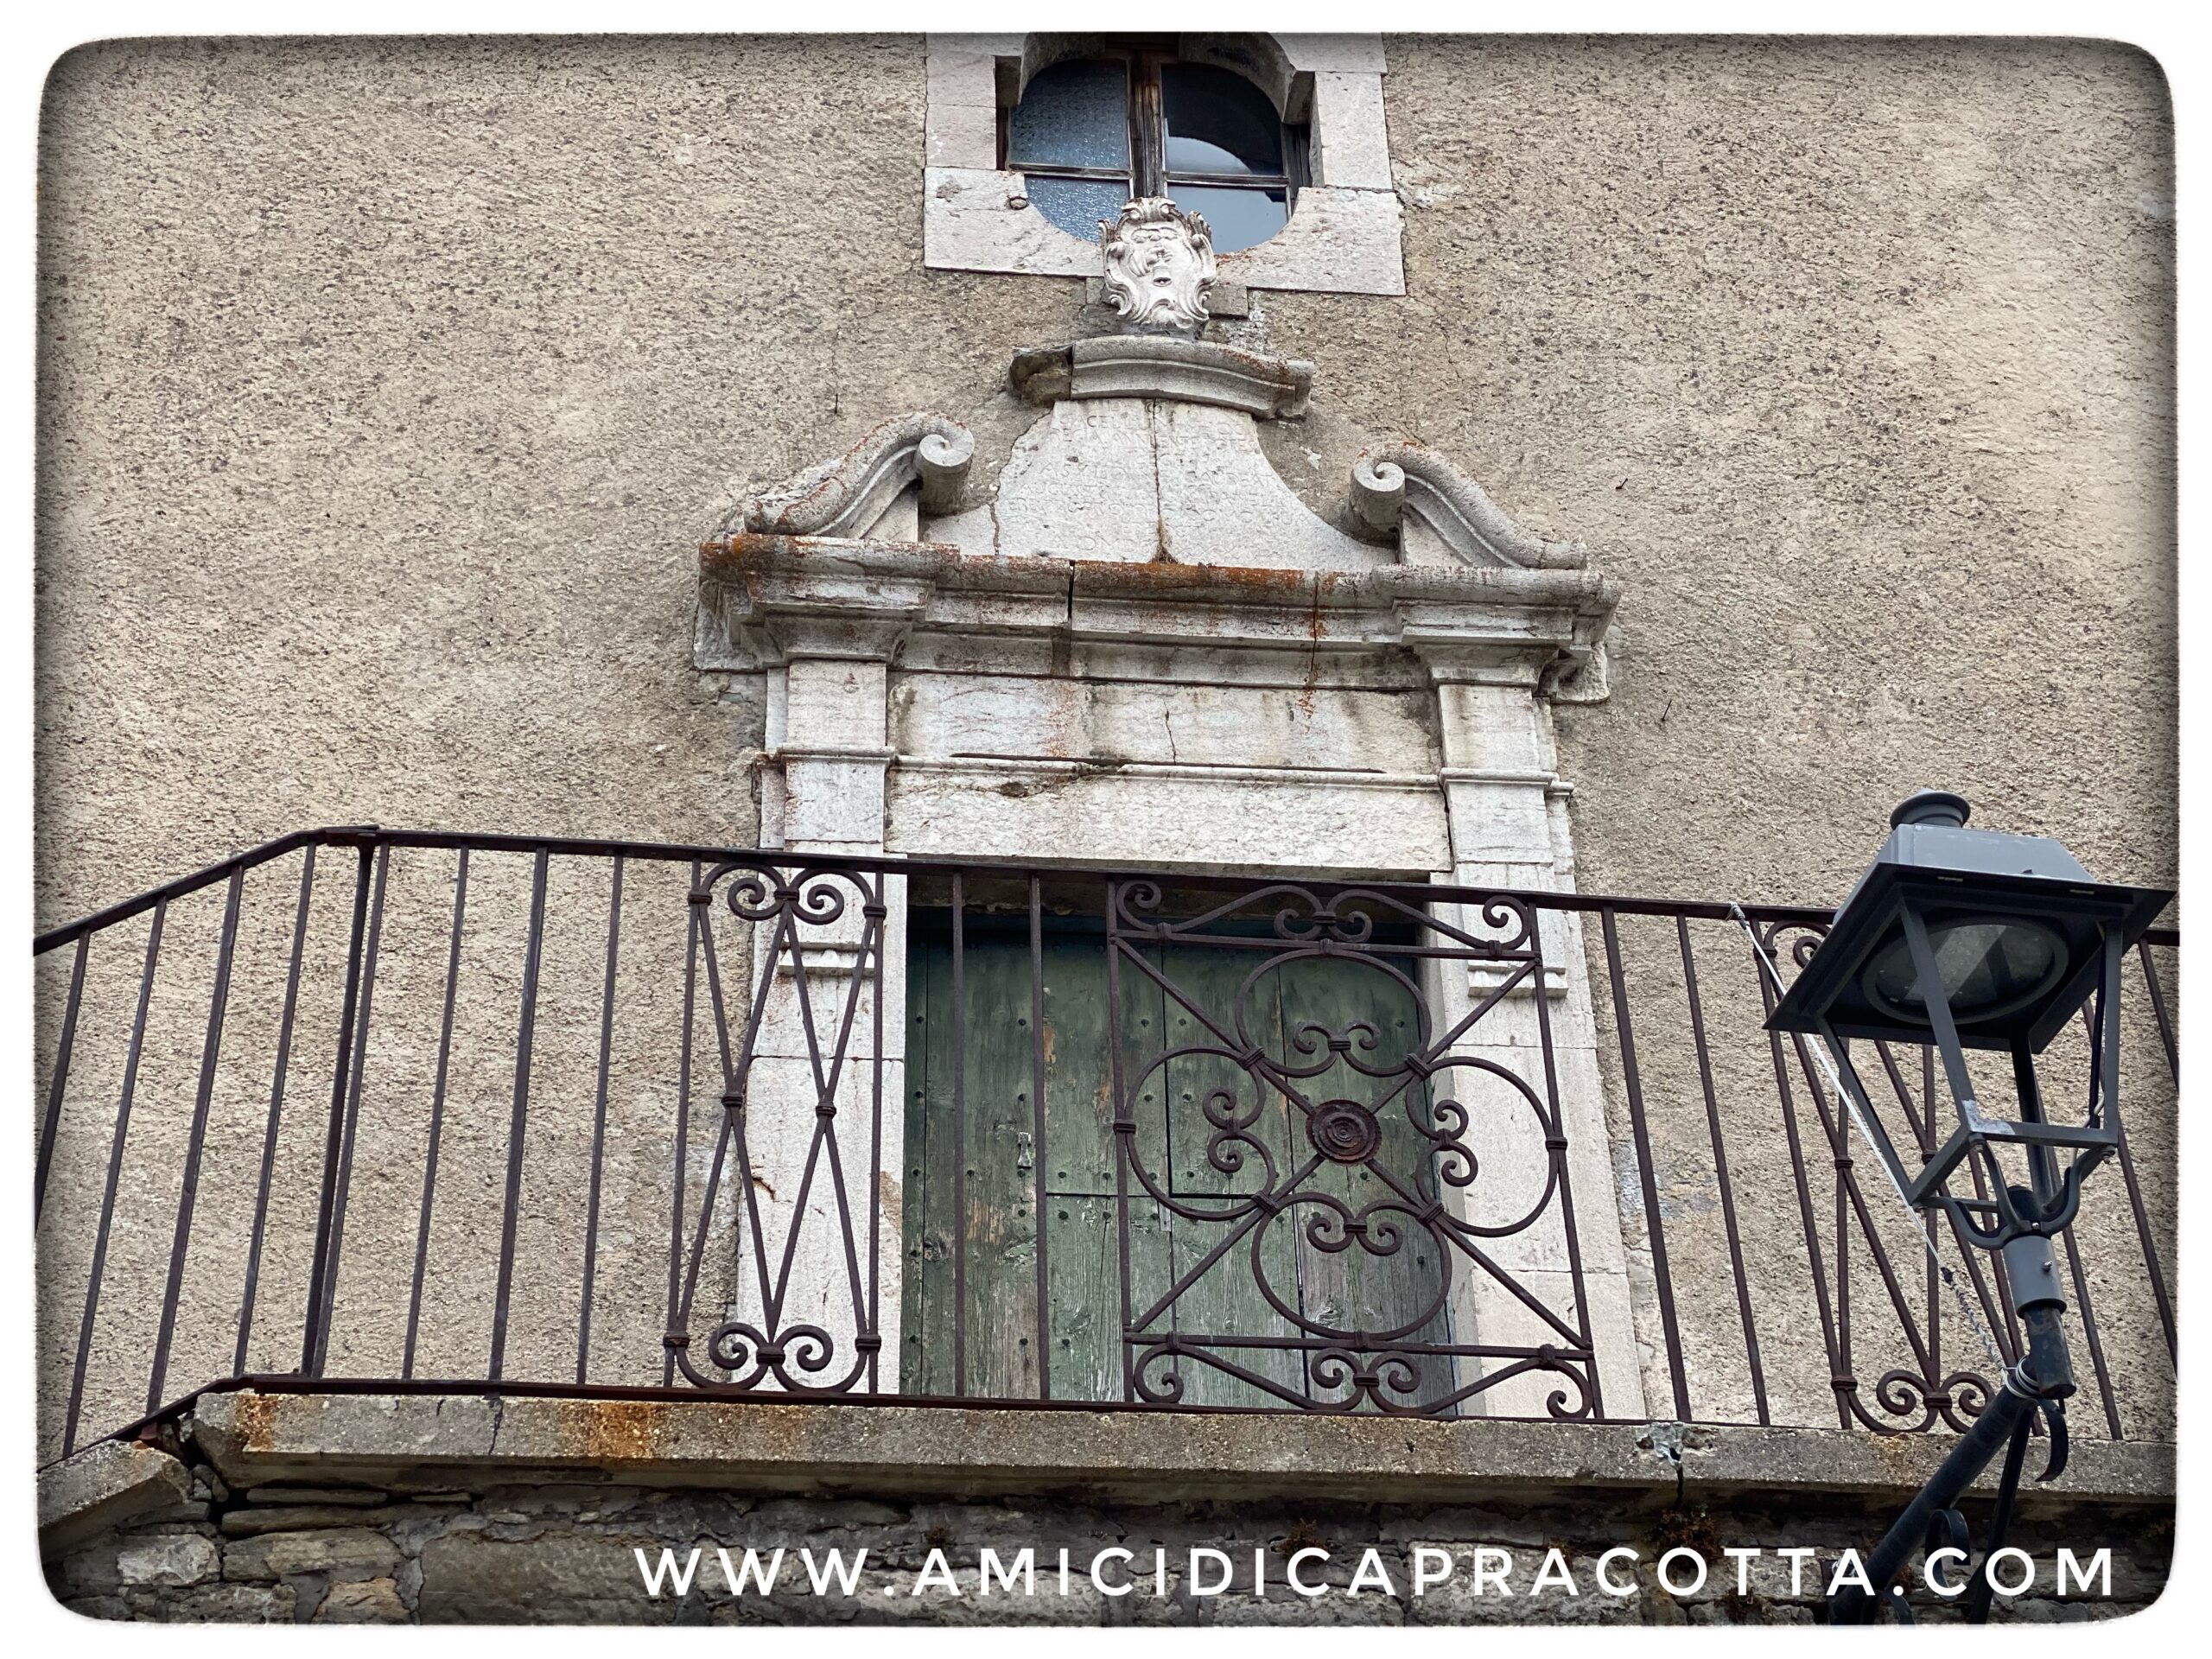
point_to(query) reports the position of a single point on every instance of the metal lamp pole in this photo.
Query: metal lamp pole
(1970, 939)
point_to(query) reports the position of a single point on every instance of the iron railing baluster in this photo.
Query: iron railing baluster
(210, 1048)
(436, 1136)
(279, 1073)
(519, 1119)
(789, 1049)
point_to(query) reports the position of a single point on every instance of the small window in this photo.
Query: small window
(1089, 133)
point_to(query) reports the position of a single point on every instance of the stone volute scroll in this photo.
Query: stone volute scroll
(1390, 483)
(849, 495)
(1159, 263)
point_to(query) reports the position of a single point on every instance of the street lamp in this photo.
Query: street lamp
(1974, 939)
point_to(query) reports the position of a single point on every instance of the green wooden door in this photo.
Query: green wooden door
(1195, 1263)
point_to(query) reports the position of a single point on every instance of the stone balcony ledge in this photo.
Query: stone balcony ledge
(446, 1441)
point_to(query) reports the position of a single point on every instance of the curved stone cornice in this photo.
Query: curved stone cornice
(1178, 370)
(846, 496)
(1386, 483)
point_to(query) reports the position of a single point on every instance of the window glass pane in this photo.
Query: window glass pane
(1077, 205)
(1239, 218)
(1074, 114)
(1217, 121)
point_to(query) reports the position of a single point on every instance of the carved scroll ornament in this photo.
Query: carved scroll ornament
(846, 496)
(1388, 483)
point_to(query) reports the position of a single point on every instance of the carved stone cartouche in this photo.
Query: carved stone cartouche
(1159, 263)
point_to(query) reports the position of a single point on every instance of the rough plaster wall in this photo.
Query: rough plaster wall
(1852, 361)
(386, 387)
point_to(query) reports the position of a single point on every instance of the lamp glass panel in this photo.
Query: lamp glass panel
(1989, 967)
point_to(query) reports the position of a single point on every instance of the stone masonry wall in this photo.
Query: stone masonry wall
(564, 1554)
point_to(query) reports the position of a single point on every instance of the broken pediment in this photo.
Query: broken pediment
(1148, 451)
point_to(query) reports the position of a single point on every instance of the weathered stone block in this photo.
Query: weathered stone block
(1351, 146)
(246, 1523)
(219, 1603)
(173, 1558)
(353, 1553)
(104, 1487)
(366, 1601)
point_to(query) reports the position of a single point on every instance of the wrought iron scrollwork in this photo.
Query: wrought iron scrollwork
(1346, 1361)
(801, 919)
(1907, 1399)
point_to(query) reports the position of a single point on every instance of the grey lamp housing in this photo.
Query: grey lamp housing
(1974, 938)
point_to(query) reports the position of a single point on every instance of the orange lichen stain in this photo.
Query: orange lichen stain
(1897, 1452)
(257, 1421)
(612, 1431)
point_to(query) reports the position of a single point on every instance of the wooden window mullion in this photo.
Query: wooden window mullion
(1147, 124)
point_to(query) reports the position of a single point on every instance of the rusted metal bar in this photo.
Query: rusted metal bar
(598, 1124)
(210, 1048)
(334, 1134)
(58, 1084)
(114, 1176)
(2089, 1330)
(1646, 1166)
(437, 1115)
(1328, 1077)
(282, 1068)
(1720, 1171)
(334, 1252)
(139, 904)
(1839, 1367)
(518, 1121)
(1556, 1136)
(696, 901)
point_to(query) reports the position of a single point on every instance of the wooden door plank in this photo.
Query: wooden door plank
(1082, 1237)
(1002, 1192)
(925, 1317)
(1078, 1081)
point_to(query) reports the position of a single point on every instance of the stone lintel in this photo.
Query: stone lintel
(1505, 625)
(407, 1441)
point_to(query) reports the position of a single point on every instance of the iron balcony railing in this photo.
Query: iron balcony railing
(373, 1108)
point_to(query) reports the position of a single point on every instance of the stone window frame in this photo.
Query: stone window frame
(1344, 237)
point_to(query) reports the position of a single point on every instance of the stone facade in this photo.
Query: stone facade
(1838, 400)
(388, 389)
